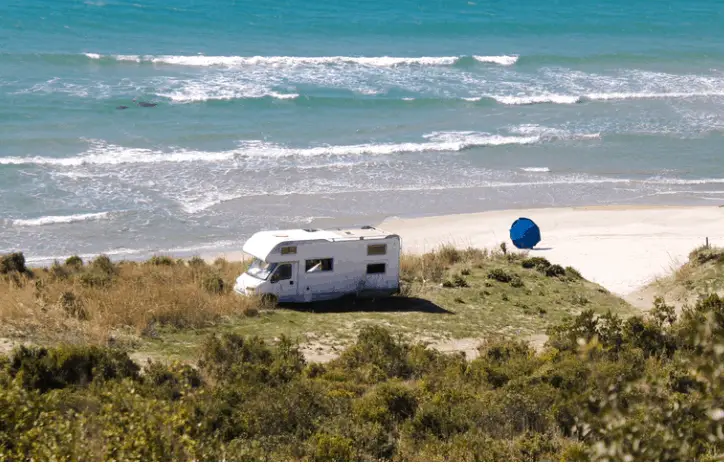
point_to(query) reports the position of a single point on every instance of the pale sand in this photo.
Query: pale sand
(621, 248)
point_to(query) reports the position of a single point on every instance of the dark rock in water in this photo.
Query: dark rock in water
(122, 107)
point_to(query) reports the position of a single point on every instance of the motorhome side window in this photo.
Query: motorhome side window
(319, 265)
(377, 268)
(288, 250)
(379, 249)
(283, 272)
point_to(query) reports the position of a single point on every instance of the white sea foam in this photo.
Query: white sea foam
(504, 60)
(535, 169)
(572, 99)
(101, 153)
(85, 256)
(675, 181)
(291, 61)
(47, 220)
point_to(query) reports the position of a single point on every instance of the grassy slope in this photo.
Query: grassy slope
(701, 275)
(163, 310)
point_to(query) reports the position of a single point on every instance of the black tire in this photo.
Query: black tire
(269, 300)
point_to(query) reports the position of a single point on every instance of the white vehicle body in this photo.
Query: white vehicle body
(304, 265)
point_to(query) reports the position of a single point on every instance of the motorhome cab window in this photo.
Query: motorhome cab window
(261, 269)
(378, 268)
(288, 250)
(319, 265)
(283, 272)
(377, 249)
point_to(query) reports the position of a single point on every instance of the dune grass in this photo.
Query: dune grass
(165, 307)
(701, 275)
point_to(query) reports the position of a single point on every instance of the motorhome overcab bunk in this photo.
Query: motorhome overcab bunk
(304, 265)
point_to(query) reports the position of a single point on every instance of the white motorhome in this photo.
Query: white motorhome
(304, 265)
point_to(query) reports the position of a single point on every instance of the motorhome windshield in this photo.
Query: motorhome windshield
(261, 269)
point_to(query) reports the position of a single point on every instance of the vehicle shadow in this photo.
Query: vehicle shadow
(393, 304)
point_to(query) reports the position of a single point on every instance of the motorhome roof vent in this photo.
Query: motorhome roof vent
(310, 230)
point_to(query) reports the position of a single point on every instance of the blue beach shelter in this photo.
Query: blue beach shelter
(524, 233)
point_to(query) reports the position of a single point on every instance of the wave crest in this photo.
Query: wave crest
(48, 220)
(291, 61)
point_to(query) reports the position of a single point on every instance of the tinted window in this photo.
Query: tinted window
(377, 249)
(378, 268)
(284, 272)
(319, 265)
(288, 250)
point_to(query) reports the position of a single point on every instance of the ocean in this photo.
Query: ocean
(289, 113)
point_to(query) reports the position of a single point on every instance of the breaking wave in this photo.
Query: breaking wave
(48, 220)
(573, 99)
(102, 153)
(291, 61)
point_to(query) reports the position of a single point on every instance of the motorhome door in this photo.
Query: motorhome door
(284, 280)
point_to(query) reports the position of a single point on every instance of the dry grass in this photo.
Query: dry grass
(166, 307)
(701, 275)
(95, 300)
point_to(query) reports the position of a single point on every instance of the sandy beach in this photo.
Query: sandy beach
(621, 248)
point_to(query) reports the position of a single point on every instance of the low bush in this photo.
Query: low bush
(161, 261)
(13, 262)
(555, 271)
(536, 262)
(214, 284)
(74, 262)
(500, 275)
(46, 369)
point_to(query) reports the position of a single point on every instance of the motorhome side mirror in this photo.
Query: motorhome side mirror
(274, 279)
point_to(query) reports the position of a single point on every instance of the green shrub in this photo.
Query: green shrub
(103, 265)
(705, 254)
(332, 448)
(516, 282)
(171, 381)
(196, 261)
(449, 254)
(536, 262)
(555, 271)
(74, 262)
(72, 306)
(58, 271)
(233, 358)
(46, 369)
(95, 278)
(386, 402)
(573, 273)
(500, 275)
(160, 261)
(376, 345)
(13, 262)
(214, 284)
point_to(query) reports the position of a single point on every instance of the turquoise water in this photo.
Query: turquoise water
(279, 114)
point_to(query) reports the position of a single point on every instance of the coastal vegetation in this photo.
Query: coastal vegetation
(610, 383)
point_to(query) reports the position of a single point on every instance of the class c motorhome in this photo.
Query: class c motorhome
(304, 265)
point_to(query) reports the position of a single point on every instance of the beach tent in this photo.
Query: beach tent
(524, 233)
